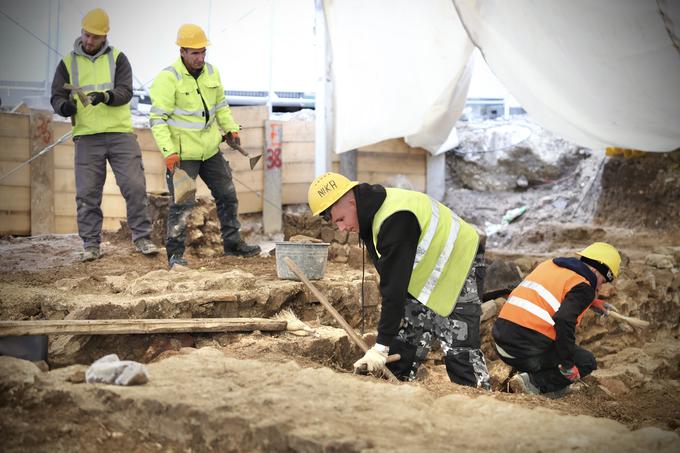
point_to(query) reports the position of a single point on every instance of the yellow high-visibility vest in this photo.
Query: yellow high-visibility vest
(97, 75)
(178, 114)
(446, 248)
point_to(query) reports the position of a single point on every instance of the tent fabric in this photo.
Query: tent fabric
(396, 70)
(599, 74)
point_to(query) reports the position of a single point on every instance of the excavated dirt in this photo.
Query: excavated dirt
(264, 391)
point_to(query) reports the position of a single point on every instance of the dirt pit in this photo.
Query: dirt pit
(264, 391)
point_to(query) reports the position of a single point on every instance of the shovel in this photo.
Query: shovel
(184, 185)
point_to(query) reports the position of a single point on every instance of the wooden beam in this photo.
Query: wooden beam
(272, 193)
(42, 173)
(138, 326)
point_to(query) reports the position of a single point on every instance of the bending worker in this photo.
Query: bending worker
(430, 264)
(189, 108)
(535, 330)
(102, 130)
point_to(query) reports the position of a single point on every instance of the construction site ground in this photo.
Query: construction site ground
(264, 391)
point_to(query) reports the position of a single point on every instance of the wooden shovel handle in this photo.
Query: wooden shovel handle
(356, 339)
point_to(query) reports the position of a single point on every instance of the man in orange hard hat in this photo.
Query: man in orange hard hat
(189, 109)
(430, 263)
(102, 131)
(535, 330)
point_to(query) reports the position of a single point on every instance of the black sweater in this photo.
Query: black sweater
(397, 243)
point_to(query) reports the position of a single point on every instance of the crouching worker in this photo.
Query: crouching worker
(535, 330)
(430, 264)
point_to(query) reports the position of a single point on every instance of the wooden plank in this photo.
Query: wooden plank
(387, 179)
(146, 140)
(69, 224)
(298, 131)
(64, 156)
(15, 199)
(250, 116)
(14, 125)
(42, 173)
(138, 326)
(249, 202)
(392, 163)
(112, 205)
(271, 210)
(298, 172)
(21, 178)
(295, 193)
(60, 128)
(395, 145)
(15, 149)
(298, 151)
(17, 223)
(252, 138)
(65, 181)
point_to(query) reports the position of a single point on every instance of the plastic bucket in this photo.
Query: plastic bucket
(311, 258)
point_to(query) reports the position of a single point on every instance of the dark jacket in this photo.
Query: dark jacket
(397, 243)
(122, 83)
(521, 342)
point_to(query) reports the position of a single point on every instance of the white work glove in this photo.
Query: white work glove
(374, 359)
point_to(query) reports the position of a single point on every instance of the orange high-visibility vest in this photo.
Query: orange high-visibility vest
(536, 300)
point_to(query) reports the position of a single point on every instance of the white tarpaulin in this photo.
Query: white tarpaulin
(598, 73)
(396, 70)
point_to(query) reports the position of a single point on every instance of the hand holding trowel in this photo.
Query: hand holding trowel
(234, 141)
(84, 98)
(184, 185)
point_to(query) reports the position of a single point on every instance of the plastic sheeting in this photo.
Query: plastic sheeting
(400, 68)
(599, 74)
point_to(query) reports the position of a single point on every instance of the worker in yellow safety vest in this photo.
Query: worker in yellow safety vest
(535, 330)
(97, 95)
(189, 108)
(431, 266)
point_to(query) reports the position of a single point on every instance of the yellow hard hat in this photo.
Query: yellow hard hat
(96, 22)
(326, 190)
(605, 254)
(192, 37)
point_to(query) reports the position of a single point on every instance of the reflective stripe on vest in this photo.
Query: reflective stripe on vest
(535, 301)
(186, 112)
(446, 248)
(97, 75)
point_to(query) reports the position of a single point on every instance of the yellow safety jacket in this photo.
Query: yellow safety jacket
(446, 248)
(535, 301)
(96, 75)
(178, 115)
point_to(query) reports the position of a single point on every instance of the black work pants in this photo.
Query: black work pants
(543, 369)
(216, 174)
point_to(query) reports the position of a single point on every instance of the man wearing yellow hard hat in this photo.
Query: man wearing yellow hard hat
(189, 109)
(535, 330)
(98, 102)
(431, 265)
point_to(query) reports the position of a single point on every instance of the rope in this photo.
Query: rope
(63, 138)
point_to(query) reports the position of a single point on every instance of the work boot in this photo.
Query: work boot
(242, 249)
(146, 247)
(90, 254)
(521, 383)
(176, 260)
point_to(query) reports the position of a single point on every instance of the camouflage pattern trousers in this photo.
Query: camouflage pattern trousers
(458, 335)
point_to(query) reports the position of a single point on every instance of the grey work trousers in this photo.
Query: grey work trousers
(123, 153)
